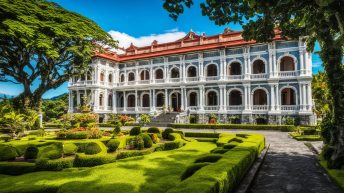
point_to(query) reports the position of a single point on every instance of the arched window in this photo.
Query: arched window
(89, 75)
(234, 68)
(176, 101)
(260, 97)
(101, 98)
(192, 72)
(102, 76)
(235, 98)
(159, 74)
(131, 100)
(288, 97)
(258, 67)
(287, 64)
(131, 76)
(82, 77)
(193, 99)
(212, 70)
(144, 75)
(175, 73)
(212, 98)
(122, 78)
(145, 100)
(121, 101)
(110, 100)
(160, 100)
(110, 78)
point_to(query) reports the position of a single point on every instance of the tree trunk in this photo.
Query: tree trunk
(331, 54)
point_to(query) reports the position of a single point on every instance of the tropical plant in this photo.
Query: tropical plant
(321, 94)
(144, 119)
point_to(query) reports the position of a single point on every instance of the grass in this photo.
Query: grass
(299, 137)
(336, 175)
(156, 172)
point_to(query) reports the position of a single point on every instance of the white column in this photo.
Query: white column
(96, 99)
(153, 97)
(166, 98)
(137, 76)
(302, 68)
(151, 75)
(224, 98)
(270, 59)
(246, 97)
(249, 95)
(274, 60)
(201, 96)
(185, 99)
(277, 97)
(272, 96)
(166, 73)
(114, 101)
(309, 97)
(78, 97)
(124, 101)
(136, 99)
(221, 97)
(182, 96)
(200, 67)
(304, 99)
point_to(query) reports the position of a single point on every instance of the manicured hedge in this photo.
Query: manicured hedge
(166, 133)
(227, 172)
(153, 130)
(235, 126)
(54, 165)
(7, 152)
(224, 138)
(16, 168)
(53, 151)
(147, 141)
(77, 135)
(113, 145)
(69, 149)
(200, 134)
(83, 160)
(92, 148)
(190, 170)
(212, 158)
(31, 152)
(135, 131)
(133, 153)
(176, 142)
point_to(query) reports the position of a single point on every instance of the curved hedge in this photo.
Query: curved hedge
(54, 165)
(53, 151)
(7, 152)
(83, 160)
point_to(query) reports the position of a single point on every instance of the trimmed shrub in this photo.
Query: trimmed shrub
(69, 149)
(82, 160)
(200, 135)
(113, 144)
(54, 165)
(308, 131)
(166, 133)
(235, 140)
(5, 137)
(154, 137)
(224, 138)
(229, 146)
(139, 143)
(31, 152)
(95, 133)
(208, 158)
(16, 168)
(7, 153)
(117, 130)
(53, 151)
(153, 130)
(147, 141)
(77, 135)
(92, 148)
(135, 131)
(133, 153)
(190, 170)
(219, 150)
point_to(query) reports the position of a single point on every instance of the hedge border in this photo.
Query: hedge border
(284, 128)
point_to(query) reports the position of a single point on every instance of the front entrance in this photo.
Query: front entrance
(176, 102)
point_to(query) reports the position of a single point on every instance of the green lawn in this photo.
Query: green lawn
(336, 175)
(156, 172)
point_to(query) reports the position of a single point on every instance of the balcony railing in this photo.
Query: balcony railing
(260, 107)
(212, 78)
(211, 108)
(193, 108)
(235, 108)
(234, 77)
(130, 108)
(174, 79)
(143, 82)
(191, 79)
(120, 109)
(159, 81)
(259, 76)
(287, 73)
(131, 82)
(144, 109)
(289, 107)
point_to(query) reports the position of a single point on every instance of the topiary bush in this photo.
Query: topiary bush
(154, 137)
(147, 141)
(208, 158)
(190, 170)
(16, 168)
(7, 153)
(166, 133)
(117, 130)
(82, 160)
(53, 151)
(54, 165)
(31, 152)
(69, 149)
(219, 150)
(135, 131)
(92, 148)
(76, 135)
(112, 145)
(5, 137)
(153, 130)
(229, 146)
(139, 143)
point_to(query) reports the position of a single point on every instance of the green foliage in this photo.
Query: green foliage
(139, 142)
(113, 145)
(53, 151)
(321, 94)
(176, 142)
(54, 165)
(286, 128)
(202, 134)
(229, 146)
(290, 121)
(92, 148)
(69, 149)
(224, 138)
(7, 153)
(135, 131)
(212, 158)
(76, 135)
(219, 150)
(31, 152)
(5, 137)
(154, 137)
(326, 128)
(147, 140)
(16, 168)
(190, 170)
(153, 130)
(166, 133)
(82, 160)
(144, 119)
(117, 130)
(54, 108)
(134, 153)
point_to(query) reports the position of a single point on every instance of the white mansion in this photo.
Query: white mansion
(237, 80)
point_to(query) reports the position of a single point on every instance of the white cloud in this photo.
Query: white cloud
(125, 39)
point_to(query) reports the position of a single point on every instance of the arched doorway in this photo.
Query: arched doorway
(131, 76)
(235, 98)
(145, 100)
(121, 101)
(234, 68)
(131, 101)
(261, 121)
(211, 70)
(160, 100)
(144, 75)
(110, 78)
(110, 100)
(159, 74)
(212, 98)
(288, 97)
(258, 67)
(260, 97)
(101, 100)
(287, 64)
(175, 72)
(193, 99)
(176, 101)
(192, 72)
(122, 78)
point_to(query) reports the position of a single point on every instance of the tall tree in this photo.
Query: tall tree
(319, 20)
(42, 45)
(321, 95)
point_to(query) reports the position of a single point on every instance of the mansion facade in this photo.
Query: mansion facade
(197, 76)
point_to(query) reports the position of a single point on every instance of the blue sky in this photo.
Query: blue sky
(140, 22)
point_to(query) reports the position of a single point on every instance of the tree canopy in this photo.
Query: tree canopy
(319, 20)
(42, 43)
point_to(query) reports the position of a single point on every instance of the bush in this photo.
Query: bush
(224, 138)
(117, 129)
(95, 133)
(229, 146)
(308, 131)
(69, 149)
(153, 130)
(208, 158)
(7, 153)
(54, 165)
(39, 133)
(154, 137)
(82, 160)
(53, 151)
(135, 131)
(77, 135)
(31, 152)
(235, 140)
(139, 143)
(5, 137)
(219, 150)
(166, 133)
(205, 135)
(92, 148)
(286, 128)
(133, 153)
(190, 170)
(16, 168)
(112, 145)
(146, 140)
